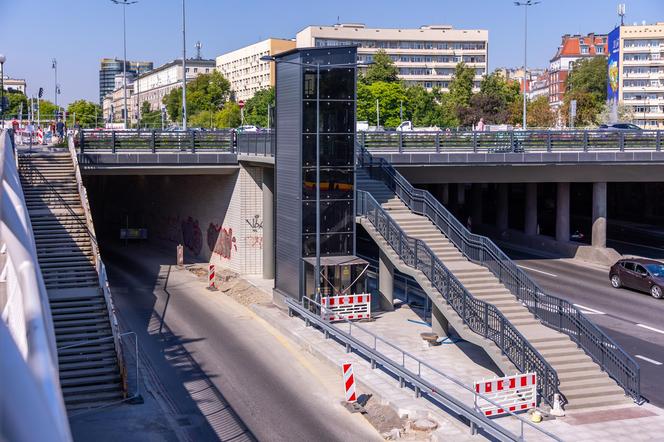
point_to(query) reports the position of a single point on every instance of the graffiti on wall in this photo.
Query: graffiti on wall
(221, 240)
(254, 241)
(191, 235)
(255, 223)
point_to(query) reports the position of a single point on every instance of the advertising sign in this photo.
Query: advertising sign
(613, 68)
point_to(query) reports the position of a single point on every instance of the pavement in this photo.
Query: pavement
(632, 319)
(216, 371)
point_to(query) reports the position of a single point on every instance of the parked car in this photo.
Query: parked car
(247, 128)
(619, 127)
(645, 275)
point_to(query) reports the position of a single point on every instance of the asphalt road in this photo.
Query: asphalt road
(276, 390)
(634, 320)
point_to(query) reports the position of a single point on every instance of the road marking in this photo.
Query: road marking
(588, 310)
(652, 361)
(538, 271)
(650, 328)
(659, 249)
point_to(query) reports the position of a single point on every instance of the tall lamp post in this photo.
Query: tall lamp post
(124, 4)
(56, 90)
(2, 89)
(525, 5)
(336, 66)
(184, 70)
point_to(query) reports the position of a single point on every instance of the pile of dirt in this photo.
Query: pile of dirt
(231, 284)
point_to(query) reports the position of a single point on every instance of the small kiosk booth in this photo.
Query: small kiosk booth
(315, 181)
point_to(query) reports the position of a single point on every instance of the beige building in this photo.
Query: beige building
(244, 69)
(425, 56)
(14, 85)
(641, 74)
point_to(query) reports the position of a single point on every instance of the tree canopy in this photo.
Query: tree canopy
(256, 108)
(381, 70)
(87, 112)
(207, 92)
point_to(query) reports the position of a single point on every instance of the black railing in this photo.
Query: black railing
(480, 317)
(154, 141)
(556, 313)
(255, 144)
(531, 141)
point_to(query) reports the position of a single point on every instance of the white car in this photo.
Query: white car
(247, 128)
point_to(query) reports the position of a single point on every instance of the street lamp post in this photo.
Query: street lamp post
(354, 65)
(525, 5)
(2, 89)
(55, 89)
(184, 70)
(124, 4)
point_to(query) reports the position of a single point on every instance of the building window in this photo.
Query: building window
(599, 49)
(584, 49)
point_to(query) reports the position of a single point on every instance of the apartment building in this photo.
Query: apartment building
(14, 84)
(636, 71)
(245, 70)
(426, 56)
(572, 48)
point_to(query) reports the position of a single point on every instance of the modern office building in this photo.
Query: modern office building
(426, 56)
(636, 72)
(571, 49)
(110, 67)
(245, 70)
(14, 84)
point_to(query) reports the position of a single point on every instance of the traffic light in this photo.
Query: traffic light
(41, 92)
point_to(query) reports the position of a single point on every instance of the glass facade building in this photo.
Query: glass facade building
(110, 67)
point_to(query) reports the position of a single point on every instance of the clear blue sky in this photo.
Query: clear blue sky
(80, 32)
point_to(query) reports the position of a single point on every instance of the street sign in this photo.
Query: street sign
(240, 103)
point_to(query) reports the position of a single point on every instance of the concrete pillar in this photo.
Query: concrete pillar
(268, 223)
(439, 324)
(503, 206)
(461, 194)
(562, 212)
(531, 209)
(599, 215)
(445, 193)
(385, 282)
(476, 216)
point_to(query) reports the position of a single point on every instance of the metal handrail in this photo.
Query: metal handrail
(555, 312)
(479, 316)
(476, 418)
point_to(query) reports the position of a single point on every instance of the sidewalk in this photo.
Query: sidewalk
(467, 363)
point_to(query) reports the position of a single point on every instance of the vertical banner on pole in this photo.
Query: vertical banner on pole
(349, 382)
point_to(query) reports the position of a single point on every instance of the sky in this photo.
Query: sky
(81, 32)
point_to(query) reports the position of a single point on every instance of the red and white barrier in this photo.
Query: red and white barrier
(211, 277)
(349, 382)
(348, 307)
(513, 393)
(40, 136)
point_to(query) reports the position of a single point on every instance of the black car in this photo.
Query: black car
(645, 275)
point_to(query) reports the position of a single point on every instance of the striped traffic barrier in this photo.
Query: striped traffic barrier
(349, 382)
(512, 393)
(211, 277)
(337, 308)
(40, 136)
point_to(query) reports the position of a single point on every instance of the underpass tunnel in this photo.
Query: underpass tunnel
(217, 217)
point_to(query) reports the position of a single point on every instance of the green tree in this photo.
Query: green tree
(540, 113)
(228, 116)
(204, 93)
(389, 96)
(150, 119)
(15, 99)
(493, 103)
(256, 108)
(422, 107)
(461, 89)
(586, 84)
(88, 114)
(381, 70)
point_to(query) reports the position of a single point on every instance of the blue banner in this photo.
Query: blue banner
(613, 66)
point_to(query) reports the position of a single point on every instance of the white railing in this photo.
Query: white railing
(35, 398)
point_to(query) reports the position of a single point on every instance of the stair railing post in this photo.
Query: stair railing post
(486, 320)
(81, 141)
(193, 141)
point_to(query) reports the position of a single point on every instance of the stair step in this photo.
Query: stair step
(89, 400)
(73, 393)
(592, 402)
(576, 367)
(100, 327)
(88, 350)
(106, 370)
(91, 380)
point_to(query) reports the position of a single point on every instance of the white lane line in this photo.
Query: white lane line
(538, 271)
(650, 328)
(652, 361)
(589, 310)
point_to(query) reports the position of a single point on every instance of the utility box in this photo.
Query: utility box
(298, 132)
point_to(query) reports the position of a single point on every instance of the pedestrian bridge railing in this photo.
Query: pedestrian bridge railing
(263, 143)
(30, 394)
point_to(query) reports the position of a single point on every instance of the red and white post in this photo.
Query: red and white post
(211, 277)
(349, 382)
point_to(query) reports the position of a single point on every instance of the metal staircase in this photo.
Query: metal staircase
(565, 340)
(88, 348)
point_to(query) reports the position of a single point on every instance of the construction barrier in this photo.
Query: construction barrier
(513, 393)
(346, 307)
(211, 277)
(40, 136)
(349, 382)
